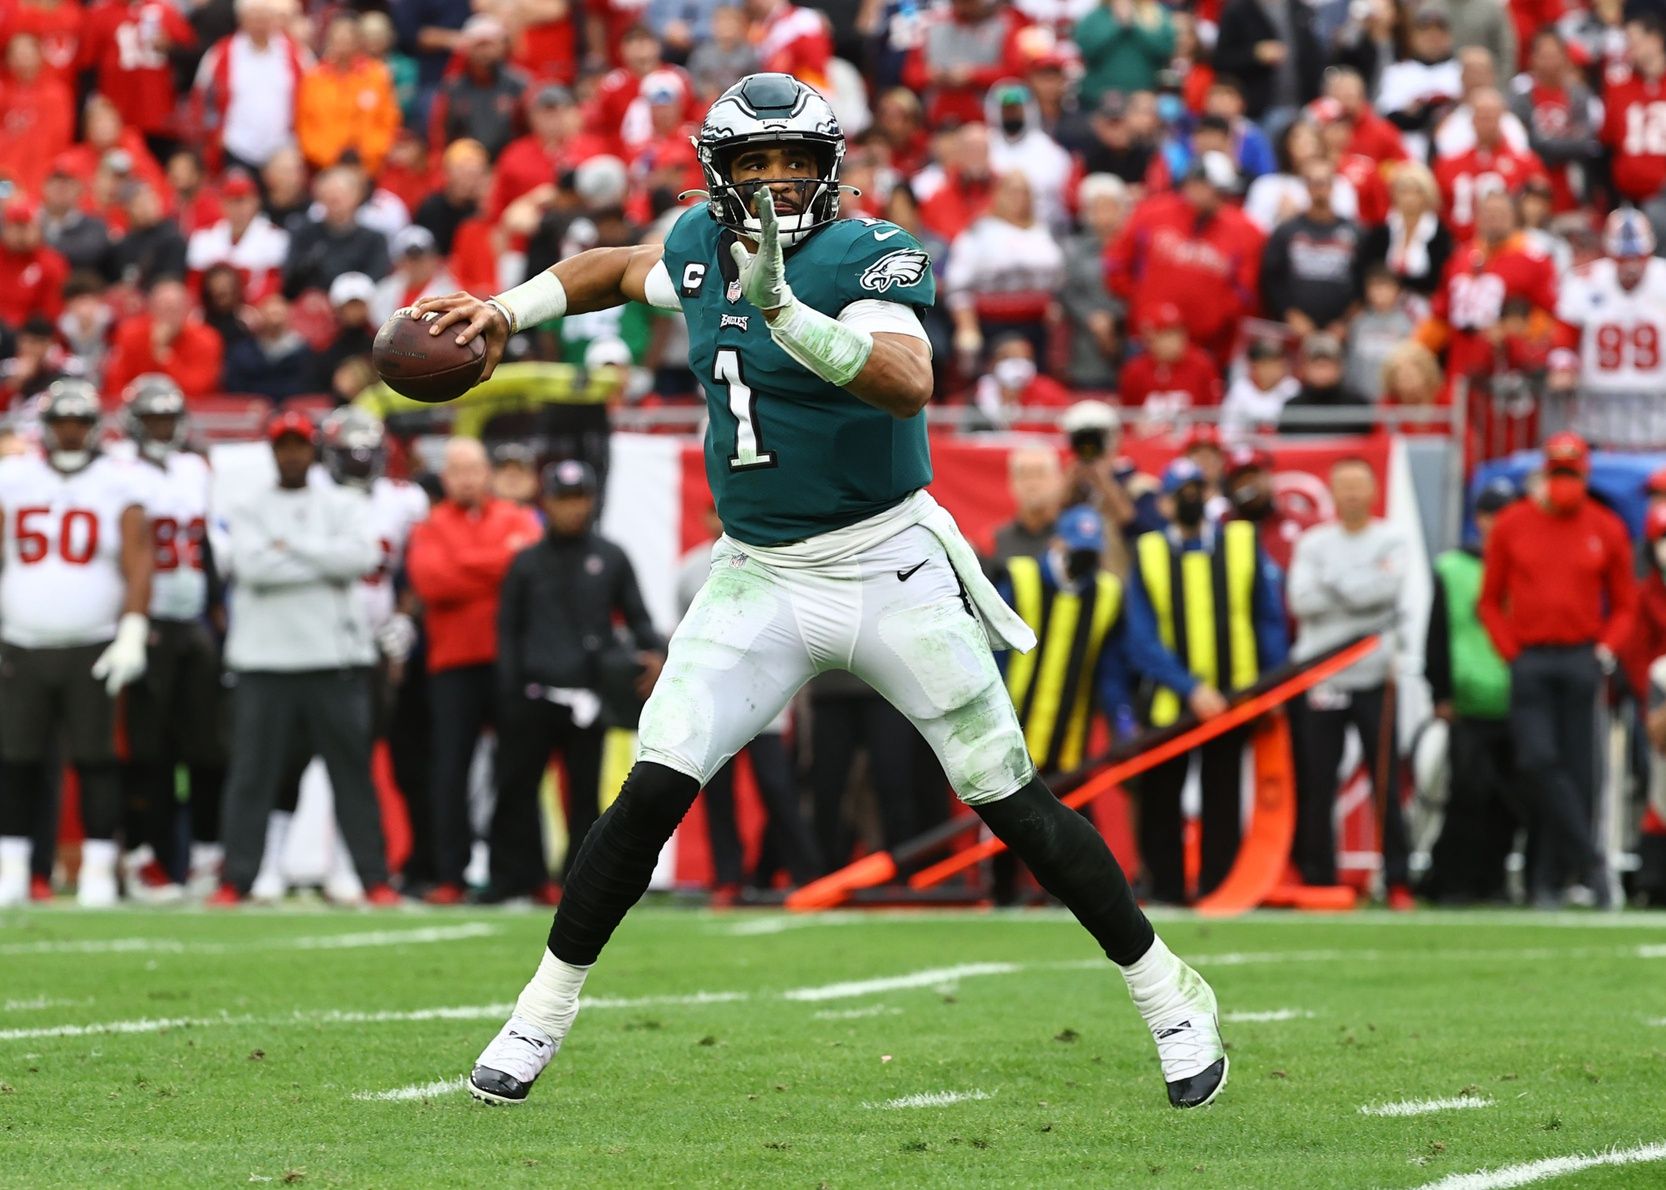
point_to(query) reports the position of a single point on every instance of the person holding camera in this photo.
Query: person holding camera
(564, 674)
(1096, 476)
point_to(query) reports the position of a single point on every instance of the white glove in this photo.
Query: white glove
(123, 663)
(763, 274)
(397, 638)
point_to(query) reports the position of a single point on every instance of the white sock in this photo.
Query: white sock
(14, 868)
(98, 856)
(1152, 977)
(206, 857)
(550, 998)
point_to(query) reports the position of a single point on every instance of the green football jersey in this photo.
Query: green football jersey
(789, 455)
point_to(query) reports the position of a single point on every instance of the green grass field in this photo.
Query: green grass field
(743, 1049)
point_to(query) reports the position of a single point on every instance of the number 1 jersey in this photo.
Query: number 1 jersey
(61, 583)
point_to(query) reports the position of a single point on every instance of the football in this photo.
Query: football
(426, 367)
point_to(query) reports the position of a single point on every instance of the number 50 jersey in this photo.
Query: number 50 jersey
(61, 583)
(789, 455)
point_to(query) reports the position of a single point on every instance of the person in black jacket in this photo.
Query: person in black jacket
(322, 250)
(153, 248)
(1413, 243)
(1307, 267)
(557, 649)
(1270, 47)
(1322, 388)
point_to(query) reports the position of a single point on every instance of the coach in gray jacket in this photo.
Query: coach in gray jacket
(1345, 581)
(302, 650)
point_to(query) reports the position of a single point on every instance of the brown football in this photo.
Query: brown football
(422, 366)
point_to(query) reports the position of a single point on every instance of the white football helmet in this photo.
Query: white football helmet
(154, 395)
(64, 401)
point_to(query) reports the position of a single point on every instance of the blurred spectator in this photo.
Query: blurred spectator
(1455, 132)
(1412, 379)
(1004, 272)
(346, 101)
(85, 322)
(1370, 135)
(1270, 47)
(274, 361)
(40, 113)
(665, 163)
(466, 173)
(1097, 476)
(1494, 267)
(196, 205)
(1470, 685)
(964, 48)
(408, 173)
(152, 247)
(109, 146)
(723, 55)
(56, 27)
(1192, 249)
(126, 43)
(1171, 375)
(247, 85)
(1251, 495)
(1256, 399)
(899, 126)
(1322, 388)
(1122, 143)
(1281, 195)
(1346, 580)
(1380, 326)
(1124, 44)
(31, 274)
(1036, 482)
(223, 295)
(1089, 309)
(1248, 146)
(1486, 24)
(418, 272)
(284, 185)
(1012, 385)
(558, 651)
(1634, 122)
(82, 239)
(457, 560)
(1165, 601)
(302, 651)
(1062, 115)
(482, 101)
(376, 38)
(791, 40)
(35, 363)
(1412, 242)
(1557, 108)
(1418, 89)
(166, 338)
(1307, 268)
(431, 31)
(613, 112)
(1491, 164)
(1596, 34)
(322, 249)
(956, 191)
(351, 295)
(1557, 599)
(515, 475)
(244, 239)
(556, 143)
(1018, 143)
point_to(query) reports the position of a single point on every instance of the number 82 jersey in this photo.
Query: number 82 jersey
(789, 455)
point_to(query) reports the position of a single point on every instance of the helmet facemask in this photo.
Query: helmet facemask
(70, 401)
(355, 448)
(817, 197)
(151, 399)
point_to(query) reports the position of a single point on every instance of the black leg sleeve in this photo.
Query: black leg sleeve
(101, 799)
(22, 788)
(612, 868)
(1072, 861)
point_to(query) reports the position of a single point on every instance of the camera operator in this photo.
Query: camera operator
(1097, 477)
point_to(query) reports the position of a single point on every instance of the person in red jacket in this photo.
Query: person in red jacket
(792, 40)
(1370, 135)
(1647, 639)
(614, 113)
(456, 561)
(39, 112)
(32, 275)
(557, 142)
(57, 25)
(963, 50)
(1172, 374)
(1193, 250)
(1634, 113)
(166, 338)
(1497, 264)
(1491, 165)
(127, 42)
(1558, 600)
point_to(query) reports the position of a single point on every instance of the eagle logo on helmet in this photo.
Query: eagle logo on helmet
(904, 267)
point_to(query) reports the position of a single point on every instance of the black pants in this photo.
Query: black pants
(1162, 847)
(1483, 813)
(1553, 693)
(1319, 736)
(271, 712)
(841, 727)
(530, 731)
(463, 702)
(409, 734)
(786, 830)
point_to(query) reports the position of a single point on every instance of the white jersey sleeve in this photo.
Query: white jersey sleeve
(61, 584)
(396, 507)
(1623, 332)
(179, 527)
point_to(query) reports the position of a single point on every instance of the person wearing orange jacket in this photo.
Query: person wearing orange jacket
(346, 102)
(457, 560)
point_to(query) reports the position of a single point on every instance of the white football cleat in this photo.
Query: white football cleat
(95, 887)
(1187, 1030)
(507, 1068)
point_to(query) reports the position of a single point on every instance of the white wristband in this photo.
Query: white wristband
(535, 300)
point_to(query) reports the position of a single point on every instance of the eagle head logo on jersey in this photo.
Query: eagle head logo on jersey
(903, 267)
(767, 109)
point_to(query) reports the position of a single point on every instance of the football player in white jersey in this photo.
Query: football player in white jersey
(176, 714)
(1619, 304)
(74, 593)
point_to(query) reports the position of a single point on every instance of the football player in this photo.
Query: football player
(805, 332)
(74, 592)
(1619, 303)
(175, 715)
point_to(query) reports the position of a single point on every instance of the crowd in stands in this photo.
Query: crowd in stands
(1281, 216)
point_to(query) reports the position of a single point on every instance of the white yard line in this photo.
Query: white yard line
(1543, 1170)
(1275, 1014)
(662, 1001)
(916, 979)
(931, 1099)
(36, 1003)
(763, 923)
(440, 1086)
(137, 1025)
(364, 940)
(1423, 1107)
(855, 1014)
